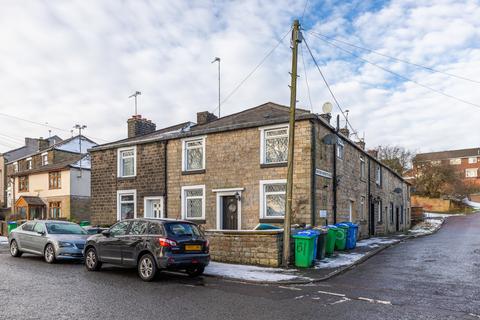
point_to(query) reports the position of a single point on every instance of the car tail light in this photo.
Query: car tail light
(207, 246)
(164, 242)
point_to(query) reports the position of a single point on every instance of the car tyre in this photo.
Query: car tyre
(147, 267)
(195, 271)
(14, 251)
(92, 263)
(49, 254)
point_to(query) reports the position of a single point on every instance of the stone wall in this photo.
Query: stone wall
(262, 248)
(233, 161)
(149, 181)
(437, 204)
(80, 208)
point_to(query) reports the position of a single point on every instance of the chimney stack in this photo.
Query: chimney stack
(373, 153)
(345, 132)
(326, 116)
(138, 126)
(361, 144)
(205, 117)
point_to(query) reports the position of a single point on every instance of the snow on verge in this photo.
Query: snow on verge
(472, 204)
(342, 259)
(375, 242)
(426, 227)
(3, 240)
(244, 272)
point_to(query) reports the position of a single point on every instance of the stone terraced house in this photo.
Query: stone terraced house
(229, 175)
(52, 182)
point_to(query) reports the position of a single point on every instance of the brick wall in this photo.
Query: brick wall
(150, 180)
(233, 161)
(246, 247)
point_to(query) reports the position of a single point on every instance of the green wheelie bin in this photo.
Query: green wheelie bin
(11, 225)
(304, 249)
(341, 240)
(331, 238)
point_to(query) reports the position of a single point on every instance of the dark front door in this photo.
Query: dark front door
(372, 217)
(230, 213)
(397, 213)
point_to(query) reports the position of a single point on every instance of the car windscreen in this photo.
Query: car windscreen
(182, 229)
(64, 228)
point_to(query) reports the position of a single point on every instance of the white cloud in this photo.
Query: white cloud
(77, 62)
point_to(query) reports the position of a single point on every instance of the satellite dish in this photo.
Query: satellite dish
(327, 107)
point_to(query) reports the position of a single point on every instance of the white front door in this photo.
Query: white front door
(154, 207)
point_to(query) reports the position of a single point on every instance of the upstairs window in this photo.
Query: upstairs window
(378, 175)
(127, 162)
(193, 202)
(472, 160)
(28, 164)
(471, 173)
(193, 154)
(15, 167)
(55, 180)
(435, 162)
(23, 184)
(340, 149)
(362, 167)
(456, 161)
(272, 199)
(274, 145)
(44, 159)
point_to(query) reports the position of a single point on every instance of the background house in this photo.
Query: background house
(53, 182)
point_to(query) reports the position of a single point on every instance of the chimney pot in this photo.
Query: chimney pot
(205, 117)
(345, 132)
(326, 116)
(138, 126)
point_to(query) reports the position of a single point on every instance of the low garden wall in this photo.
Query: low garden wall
(253, 247)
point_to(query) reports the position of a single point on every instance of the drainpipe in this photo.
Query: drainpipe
(335, 174)
(312, 170)
(369, 197)
(165, 186)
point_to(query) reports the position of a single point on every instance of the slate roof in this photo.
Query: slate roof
(33, 201)
(21, 152)
(444, 155)
(52, 167)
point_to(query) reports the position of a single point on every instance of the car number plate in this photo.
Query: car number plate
(193, 247)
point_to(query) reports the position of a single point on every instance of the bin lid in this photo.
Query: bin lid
(303, 236)
(342, 225)
(308, 233)
(331, 226)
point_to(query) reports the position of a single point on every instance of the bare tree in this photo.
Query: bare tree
(396, 157)
(435, 180)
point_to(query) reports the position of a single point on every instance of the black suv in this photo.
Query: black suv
(150, 245)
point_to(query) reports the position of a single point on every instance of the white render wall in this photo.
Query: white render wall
(80, 183)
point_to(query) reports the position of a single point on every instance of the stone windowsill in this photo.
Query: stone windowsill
(273, 165)
(278, 220)
(185, 173)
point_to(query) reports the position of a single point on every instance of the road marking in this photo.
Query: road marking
(332, 293)
(374, 301)
(299, 297)
(474, 315)
(290, 288)
(345, 299)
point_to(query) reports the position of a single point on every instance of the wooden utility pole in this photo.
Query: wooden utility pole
(296, 39)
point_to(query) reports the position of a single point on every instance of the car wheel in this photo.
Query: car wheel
(14, 249)
(147, 267)
(49, 254)
(91, 260)
(195, 272)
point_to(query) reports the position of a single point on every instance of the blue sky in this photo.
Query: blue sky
(67, 62)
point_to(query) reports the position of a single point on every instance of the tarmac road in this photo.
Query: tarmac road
(434, 277)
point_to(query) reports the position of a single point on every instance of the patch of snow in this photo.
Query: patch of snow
(342, 259)
(426, 227)
(440, 215)
(3, 240)
(244, 272)
(375, 242)
(472, 204)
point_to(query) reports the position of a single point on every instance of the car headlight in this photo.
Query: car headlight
(63, 244)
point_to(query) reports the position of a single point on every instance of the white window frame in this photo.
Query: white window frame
(184, 201)
(378, 175)
(263, 203)
(472, 160)
(162, 206)
(184, 152)
(15, 166)
(380, 211)
(362, 167)
(456, 161)
(126, 192)
(475, 170)
(362, 208)
(119, 161)
(44, 163)
(29, 162)
(340, 145)
(220, 193)
(262, 141)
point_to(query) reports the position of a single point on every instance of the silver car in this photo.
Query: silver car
(52, 239)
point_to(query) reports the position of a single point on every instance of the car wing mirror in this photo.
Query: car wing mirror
(42, 233)
(106, 233)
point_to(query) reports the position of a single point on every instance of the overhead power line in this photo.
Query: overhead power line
(394, 58)
(46, 125)
(306, 79)
(399, 75)
(239, 85)
(330, 90)
(304, 9)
